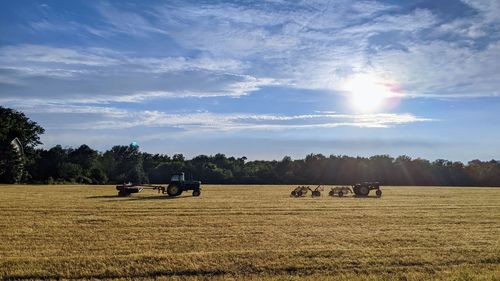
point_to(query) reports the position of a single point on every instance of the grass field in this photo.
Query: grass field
(249, 232)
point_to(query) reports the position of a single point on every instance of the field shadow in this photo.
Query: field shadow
(103, 196)
(158, 197)
(136, 198)
(366, 197)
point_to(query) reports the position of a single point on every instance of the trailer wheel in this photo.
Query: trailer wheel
(379, 193)
(196, 193)
(316, 193)
(299, 193)
(123, 193)
(341, 193)
(174, 190)
(331, 193)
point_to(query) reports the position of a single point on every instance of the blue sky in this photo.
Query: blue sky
(258, 79)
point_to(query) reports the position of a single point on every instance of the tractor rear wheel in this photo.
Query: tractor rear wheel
(174, 190)
(379, 193)
(363, 190)
(341, 193)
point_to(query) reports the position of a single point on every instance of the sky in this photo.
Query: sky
(261, 79)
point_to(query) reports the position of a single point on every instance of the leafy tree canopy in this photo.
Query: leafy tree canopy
(15, 125)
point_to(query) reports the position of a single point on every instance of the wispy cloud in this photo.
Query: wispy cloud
(127, 22)
(116, 119)
(488, 9)
(99, 75)
(305, 45)
(52, 55)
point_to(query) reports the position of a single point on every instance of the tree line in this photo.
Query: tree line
(128, 164)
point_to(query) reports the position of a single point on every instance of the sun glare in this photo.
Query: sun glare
(368, 93)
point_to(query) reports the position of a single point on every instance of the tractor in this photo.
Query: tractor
(177, 185)
(362, 189)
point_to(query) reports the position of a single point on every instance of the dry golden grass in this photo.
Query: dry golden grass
(249, 232)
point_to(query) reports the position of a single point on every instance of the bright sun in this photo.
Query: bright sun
(367, 93)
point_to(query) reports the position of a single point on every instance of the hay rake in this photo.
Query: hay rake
(340, 191)
(302, 190)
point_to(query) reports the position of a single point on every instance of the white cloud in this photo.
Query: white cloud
(489, 9)
(97, 75)
(115, 119)
(26, 57)
(441, 69)
(240, 49)
(44, 54)
(55, 107)
(173, 64)
(236, 121)
(127, 22)
(414, 22)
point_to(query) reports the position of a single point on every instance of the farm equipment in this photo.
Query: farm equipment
(362, 189)
(127, 188)
(340, 191)
(177, 185)
(358, 189)
(302, 190)
(317, 191)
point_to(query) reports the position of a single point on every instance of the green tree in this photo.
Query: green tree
(15, 124)
(126, 162)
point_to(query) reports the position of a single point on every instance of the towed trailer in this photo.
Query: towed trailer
(302, 190)
(358, 189)
(340, 191)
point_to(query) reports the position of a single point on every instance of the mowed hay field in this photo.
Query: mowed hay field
(249, 232)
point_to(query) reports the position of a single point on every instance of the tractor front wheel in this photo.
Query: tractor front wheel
(356, 190)
(196, 193)
(379, 193)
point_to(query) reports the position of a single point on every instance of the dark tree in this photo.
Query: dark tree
(15, 124)
(126, 164)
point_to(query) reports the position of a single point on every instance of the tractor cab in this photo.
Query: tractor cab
(178, 177)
